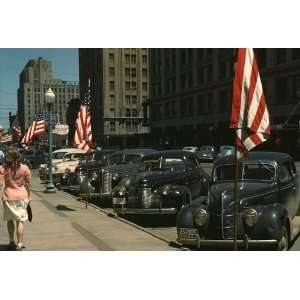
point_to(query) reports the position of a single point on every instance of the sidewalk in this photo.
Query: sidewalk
(60, 222)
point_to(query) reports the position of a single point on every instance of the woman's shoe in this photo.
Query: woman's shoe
(12, 246)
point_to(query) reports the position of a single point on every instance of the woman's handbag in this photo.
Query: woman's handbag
(29, 212)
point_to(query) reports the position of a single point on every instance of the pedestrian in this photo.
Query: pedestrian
(15, 177)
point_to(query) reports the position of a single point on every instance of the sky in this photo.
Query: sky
(12, 62)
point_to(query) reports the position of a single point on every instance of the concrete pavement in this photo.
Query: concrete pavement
(60, 222)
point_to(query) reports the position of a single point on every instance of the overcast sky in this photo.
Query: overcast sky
(12, 62)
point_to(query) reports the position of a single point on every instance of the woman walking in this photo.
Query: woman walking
(15, 177)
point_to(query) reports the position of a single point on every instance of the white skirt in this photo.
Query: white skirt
(15, 210)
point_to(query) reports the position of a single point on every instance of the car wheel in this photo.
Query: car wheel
(283, 243)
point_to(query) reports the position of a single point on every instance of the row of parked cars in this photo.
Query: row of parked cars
(146, 181)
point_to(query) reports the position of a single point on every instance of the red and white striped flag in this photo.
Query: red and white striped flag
(6, 138)
(16, 129)
(83, 130)
(37, 128)
(249, 113)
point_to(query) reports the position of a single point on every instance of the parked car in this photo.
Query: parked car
(225, 151)
(101, 180)
(32, 158)
(193, 149)
(207, 153)
(69, 163)
(88, 164)
(165, 181)
(268, 200)
(57, 157)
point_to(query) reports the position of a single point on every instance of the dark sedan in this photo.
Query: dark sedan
(268, 200)
(166, 180)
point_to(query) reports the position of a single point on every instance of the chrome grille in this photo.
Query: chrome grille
(145, 195)
(107, 182)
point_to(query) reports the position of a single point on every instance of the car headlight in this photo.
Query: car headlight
(166, 189)
(67, 170)
(94, 176)
(115, 176)
(250, 217)
(122, 191)
(201, 217)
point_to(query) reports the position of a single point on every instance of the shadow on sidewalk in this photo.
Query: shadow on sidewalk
(3, 247)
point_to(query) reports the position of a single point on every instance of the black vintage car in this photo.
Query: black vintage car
(166, 180)
(268, 200)
(100, 179)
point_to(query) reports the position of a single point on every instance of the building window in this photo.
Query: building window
(133, 72)
(112, 112)
(134, 112)
(144, 72)
(144, 86)
(133, 99)
(222, 69)
(210, 103)
(261, 57)
(133, 85)
(111, 85)
(296, 53)
(127, 72)
(111, 57)
(144, 59)
(127, 100)
(127, 85)
(183, 107)
(190, 55)
(112, 126)
(209, 73)
(280, 56)
(281, 90)
(133, 58)
(128, 112)
(190, 105)
(173, 109)
(127, 58)
(112, 100)
(190, 80)
(112, 71)
(200, 53)
(183, 81)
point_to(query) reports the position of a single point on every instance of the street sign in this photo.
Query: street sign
(61, 129)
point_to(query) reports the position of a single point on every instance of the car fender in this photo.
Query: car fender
(185, 217)
(271, 218)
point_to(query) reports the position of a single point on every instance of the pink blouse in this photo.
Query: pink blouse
(15, 182)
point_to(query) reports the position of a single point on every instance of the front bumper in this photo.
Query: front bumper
(145, 211)
(245, 244)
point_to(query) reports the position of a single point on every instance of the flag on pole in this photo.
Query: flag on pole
(6, 138)
(249, 113)
(16, 129)
(37, 128)
(83, 129)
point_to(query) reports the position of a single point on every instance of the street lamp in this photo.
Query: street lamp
(49, 97)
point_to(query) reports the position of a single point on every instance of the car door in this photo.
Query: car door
(286, 188)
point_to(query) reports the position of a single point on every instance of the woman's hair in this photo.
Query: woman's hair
(12, 159)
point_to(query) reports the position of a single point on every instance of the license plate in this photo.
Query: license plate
(188, 233)
(118, 200)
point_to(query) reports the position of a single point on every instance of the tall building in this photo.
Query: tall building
(119, 90)
(191, 92)
(35, 79)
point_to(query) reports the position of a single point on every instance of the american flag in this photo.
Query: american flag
(249, 113)
(16, 129)
(6, 138)
(37, 128)
(83, 130)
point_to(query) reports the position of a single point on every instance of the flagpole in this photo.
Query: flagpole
(236, 207)
(236, 176)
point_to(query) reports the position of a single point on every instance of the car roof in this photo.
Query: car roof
(135, 151)
(264, 156)
(171, 153)
(67, 150)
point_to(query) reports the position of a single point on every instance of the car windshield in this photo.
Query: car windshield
(58, 155)
(131, 158)
(173, 164)
(207, 149)
(247, 172)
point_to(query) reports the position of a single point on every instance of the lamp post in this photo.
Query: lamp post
(50, 96)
